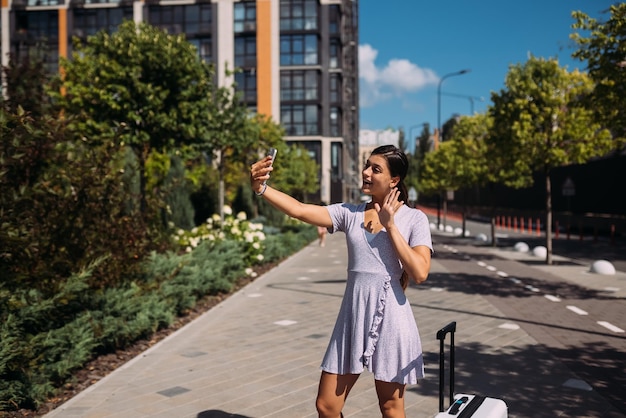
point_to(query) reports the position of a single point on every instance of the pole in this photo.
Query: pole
(439, 99)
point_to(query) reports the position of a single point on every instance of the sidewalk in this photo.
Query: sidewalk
(257, 354)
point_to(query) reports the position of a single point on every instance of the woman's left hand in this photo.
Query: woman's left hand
(390, 206)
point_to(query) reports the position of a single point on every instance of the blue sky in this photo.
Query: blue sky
(405, 46)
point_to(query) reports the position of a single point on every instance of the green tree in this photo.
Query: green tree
(540, 124)
(604, 50)
(140, 87)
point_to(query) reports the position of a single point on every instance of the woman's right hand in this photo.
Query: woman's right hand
(260, 173)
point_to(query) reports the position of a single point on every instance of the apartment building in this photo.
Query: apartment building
(298, 60)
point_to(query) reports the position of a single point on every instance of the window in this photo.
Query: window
(335, 121)
(298, 50)
(245, 51)
(246, 84)
(334, 52)
(298, 15)
(37, 34)
(88, 22)
(335, 88)
(300, 120)
(334, 19)
(299, 85)
(245, 17)
(194, 20)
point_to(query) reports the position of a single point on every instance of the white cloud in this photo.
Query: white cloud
(397, 77)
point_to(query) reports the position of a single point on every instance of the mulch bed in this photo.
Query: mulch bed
(102, 365)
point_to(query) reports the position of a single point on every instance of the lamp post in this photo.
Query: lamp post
(439, 99)
(470, 98)
(440, 132)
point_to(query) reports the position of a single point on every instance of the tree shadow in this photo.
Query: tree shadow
(531, 379)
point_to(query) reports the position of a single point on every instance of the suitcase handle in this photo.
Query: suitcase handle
(441, 336)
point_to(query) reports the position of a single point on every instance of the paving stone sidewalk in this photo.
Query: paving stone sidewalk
(257, 354)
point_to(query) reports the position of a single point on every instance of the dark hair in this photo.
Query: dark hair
(398, 166)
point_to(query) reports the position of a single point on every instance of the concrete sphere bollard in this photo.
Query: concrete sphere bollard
(482, 238)
(433, 226)
(458, 231)
(449, 228)
(602, 267)
(521, 247)
(540, 251)
(467, 233)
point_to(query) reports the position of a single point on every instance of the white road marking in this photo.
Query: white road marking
(532, 288)
(491, 268)
(610, 326)
(509, 326)
(482, 263)
(576, 310)
(255, 295)
(553, 298)
(502, 274)
(285, 322)
(516, 281)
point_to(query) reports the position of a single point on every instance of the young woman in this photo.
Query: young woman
(388, 243)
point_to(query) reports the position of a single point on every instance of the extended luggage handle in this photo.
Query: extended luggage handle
(441, 336)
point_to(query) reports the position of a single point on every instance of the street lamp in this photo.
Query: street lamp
(470, 98)
(440, 133)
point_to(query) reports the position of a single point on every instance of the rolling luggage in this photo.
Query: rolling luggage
(463, 405)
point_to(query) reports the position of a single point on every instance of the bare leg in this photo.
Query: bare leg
(391, 399)
(332, 393)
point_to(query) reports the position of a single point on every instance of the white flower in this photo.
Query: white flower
(215, 217)
(194, 231)
(256, 245)
(180, 232)
(260, 257)
(241, 216)
(188, 249)
(228, 210)
(249, 271)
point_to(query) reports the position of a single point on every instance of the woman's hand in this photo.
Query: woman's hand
(260, 173)
(390, 206)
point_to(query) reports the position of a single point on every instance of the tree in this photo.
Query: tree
(539, 124)
(604, 50)
(138, 87)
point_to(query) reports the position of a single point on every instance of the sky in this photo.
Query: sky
(407, 46)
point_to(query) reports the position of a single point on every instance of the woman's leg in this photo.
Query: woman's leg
(391, 399)
(332, 393)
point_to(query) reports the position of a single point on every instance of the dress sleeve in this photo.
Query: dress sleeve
(339, 213)
(420, 231)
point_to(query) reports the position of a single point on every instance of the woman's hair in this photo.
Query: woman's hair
(398, 166)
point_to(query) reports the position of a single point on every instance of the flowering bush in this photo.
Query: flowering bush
(236, 228)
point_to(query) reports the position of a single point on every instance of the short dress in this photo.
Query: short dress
(375, 327)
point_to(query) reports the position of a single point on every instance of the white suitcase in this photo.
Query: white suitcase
(475, 406)
(463, 405)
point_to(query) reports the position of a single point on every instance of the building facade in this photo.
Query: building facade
(298, 60)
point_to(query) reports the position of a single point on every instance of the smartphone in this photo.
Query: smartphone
(272, 152)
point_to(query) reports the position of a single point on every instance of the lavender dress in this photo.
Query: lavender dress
(375, 328)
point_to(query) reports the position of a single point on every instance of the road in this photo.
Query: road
(563, 307)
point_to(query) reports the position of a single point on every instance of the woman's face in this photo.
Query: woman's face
(377, 179)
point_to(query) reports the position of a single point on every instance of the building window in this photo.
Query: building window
(88, 22)
(298, 14)
(335, 121)
(300, 120)
(335, 88)
(334, 53)
(37, 34)
(245, 51)
(246, 84)
(299, 85)
(194, 20)
(245, 17)
(334, 23)
(298, 50)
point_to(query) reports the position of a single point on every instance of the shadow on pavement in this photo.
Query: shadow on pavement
(219, 414)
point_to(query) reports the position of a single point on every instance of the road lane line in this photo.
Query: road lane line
(576, 310)
(610, 326)
(553, 298)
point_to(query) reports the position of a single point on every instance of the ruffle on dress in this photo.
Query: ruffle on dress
(374, 332)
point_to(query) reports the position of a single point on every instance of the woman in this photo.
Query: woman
(388, 242)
